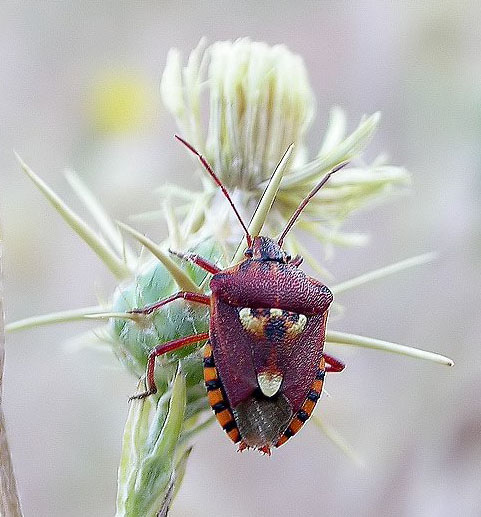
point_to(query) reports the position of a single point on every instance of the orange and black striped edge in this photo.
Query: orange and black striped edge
(217, 397)
(307, 408)
(220, 405)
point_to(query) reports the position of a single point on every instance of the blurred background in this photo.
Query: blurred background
(65, 69)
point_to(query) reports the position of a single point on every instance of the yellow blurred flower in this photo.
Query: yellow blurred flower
(120, 102)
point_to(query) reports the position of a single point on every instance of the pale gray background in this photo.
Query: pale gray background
(416, 424)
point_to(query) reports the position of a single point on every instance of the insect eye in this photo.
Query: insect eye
(248, 252)
(288, 258)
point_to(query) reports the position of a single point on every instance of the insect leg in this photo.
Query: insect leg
(198, 261)
(333, 364)
(190, 297)
(163, 349)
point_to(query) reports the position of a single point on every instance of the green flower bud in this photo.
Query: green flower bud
(147, 471)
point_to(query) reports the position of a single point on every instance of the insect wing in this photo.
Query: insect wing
(266, 350)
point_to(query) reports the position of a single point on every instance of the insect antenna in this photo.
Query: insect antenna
(306, 200)
(209, 169)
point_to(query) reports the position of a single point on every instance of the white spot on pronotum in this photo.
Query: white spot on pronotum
(245, 317)
(301, 322)
(269, 383)
(297, 327)
(250, 322)
(276, 312)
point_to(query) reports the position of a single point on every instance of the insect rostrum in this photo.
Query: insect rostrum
(264, 363)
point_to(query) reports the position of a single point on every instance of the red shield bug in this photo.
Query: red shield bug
(264, 363)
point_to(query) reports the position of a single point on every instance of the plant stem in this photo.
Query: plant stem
(343, 338)
(83, 230)
(53, 318)
(9, 500)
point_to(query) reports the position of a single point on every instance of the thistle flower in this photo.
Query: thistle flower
(260, 103)
(120, 102)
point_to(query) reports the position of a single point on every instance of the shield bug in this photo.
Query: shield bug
(264, 363)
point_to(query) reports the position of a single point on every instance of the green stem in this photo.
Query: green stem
(344, 151)
(342, 338)
(383, 272)
(337, 440)
(9, 499)
(101, 217)
(83, 230)
(52, 318)
(178, 274)
(265, 203)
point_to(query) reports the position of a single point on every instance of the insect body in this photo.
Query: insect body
(264, 363)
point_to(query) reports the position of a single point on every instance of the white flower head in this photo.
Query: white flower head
(260, 102)
(241, 104)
